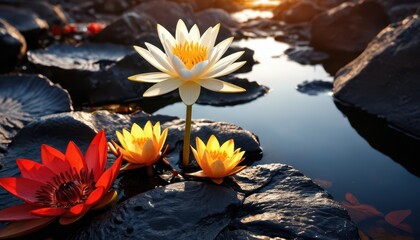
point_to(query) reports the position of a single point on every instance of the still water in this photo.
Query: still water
(312, 135)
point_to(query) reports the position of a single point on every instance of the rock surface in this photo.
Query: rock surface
(12, 46)
(349, 27)
(302, 11)
(24, 98)
(384, 79)
(270, 201)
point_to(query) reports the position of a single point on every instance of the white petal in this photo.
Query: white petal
(189, 92)
(160, 57)
(223, 63)
(185, 74)
(181, 34)
(229, 69)
(199, 68)
(214, 33)
(165, 37)
(220, 49)
(152, 77)
(150, 58)
(177, 63)
(206, 37)
(163, 87)
(195, 33)
(220, 86)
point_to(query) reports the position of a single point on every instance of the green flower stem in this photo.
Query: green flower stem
(187, 133)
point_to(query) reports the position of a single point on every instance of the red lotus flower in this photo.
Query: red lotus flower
(64, 186)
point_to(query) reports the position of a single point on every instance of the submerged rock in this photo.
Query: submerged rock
(24, 98)
(12, 46)
(74, 66)
(314, 87)
(270, 201)
(27, 22)
(384, 79)
(305, 55)
(348, 27)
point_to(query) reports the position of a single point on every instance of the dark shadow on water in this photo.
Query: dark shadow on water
(337, 61)
(402, 148)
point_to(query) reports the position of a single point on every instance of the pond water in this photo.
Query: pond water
(312, 135)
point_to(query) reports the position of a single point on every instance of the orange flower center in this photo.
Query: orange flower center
(66, 189)
(190, 53)
(140, 141)
(222, 156)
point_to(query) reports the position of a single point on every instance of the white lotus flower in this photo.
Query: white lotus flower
(190, 62)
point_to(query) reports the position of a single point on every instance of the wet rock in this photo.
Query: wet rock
(299, 12)
(130, 29)
(52, 14)
(244, 139)
(349, 27)
(279, 11)
(12, 46)
(281, 202)
(305, 55)
(172, 12)
(253, 91)
(74, 66)
(163, 213)
(27, 22)
(314, 87)
(210, 17)
(199, 5)
(24, 98)
(383, 80)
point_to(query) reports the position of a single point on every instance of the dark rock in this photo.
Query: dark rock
(210, 17)
(200, 5)
(24, 98)
(399, 12)
(27, 22)
(129, 29)
(383, 80)
(305, 55)
(279, 11)
(12, 46)
(168, 212)
(281, 202)
(349, 27)
(400, 147)
(329, 3)
(74, 66)
(314, 87)
(52, 14)
(172, 13)
(244, 139)
(303, 11)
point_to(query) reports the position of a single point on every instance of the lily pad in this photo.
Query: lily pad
(73, 66)
(24, 98)
(314, 87)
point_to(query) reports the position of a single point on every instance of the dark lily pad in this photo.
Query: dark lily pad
(27, 22)
(306, 55)
(73, 66)
(314, 87)
(12, 46)
(24, 98)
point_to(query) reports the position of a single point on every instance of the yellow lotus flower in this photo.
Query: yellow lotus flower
(140, 147)
(190, 62)
(217, 161)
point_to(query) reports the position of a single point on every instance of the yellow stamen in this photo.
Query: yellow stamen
(139, 141)
(190, 53)
(218, 155)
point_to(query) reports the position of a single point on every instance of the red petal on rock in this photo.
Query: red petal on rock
(54, 159)
(49, 212)
(34, 170)
(95, 28)
(18, 212)
(395, 218)
(361, 211)
(352, 199)
(22, 188)
(21, 228)
(75, 157)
